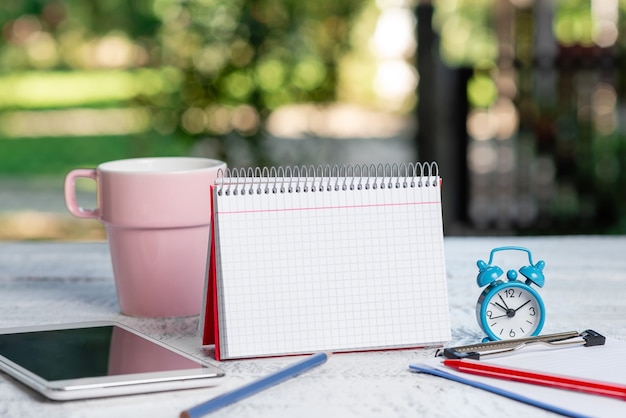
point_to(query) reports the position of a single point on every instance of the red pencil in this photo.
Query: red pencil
(562, 382)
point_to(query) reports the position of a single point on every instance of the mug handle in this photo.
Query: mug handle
(70, 193)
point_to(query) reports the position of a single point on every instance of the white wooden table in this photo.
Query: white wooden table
(43, 283)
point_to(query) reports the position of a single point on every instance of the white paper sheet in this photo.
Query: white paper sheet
(603, 363)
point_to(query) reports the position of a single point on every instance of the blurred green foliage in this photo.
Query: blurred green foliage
(54, 156)
(200, 67)
(155, 76)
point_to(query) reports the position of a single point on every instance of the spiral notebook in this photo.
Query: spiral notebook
(326, 259)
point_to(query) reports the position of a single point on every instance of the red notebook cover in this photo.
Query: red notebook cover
(210, 331)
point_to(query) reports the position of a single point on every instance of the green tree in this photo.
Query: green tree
(223, 65)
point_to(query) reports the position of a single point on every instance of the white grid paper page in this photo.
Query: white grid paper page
(336, 270)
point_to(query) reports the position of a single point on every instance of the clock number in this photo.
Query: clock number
(510, 293)
(489, 314)
(512, 334)
(532, 311)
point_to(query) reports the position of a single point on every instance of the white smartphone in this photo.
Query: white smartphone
(98, 359)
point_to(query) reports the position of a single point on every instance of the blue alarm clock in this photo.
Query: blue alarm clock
(510, 308)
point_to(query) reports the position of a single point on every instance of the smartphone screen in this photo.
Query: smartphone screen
(72, 359)
(89, 352)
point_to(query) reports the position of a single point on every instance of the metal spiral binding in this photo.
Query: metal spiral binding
(309, 179)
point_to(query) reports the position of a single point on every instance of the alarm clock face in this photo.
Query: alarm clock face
(510, 310)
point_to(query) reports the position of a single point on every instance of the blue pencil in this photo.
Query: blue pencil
(422, 368)
(255, 387)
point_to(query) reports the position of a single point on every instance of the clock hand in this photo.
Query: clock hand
(509, 312)
(496, 317)
(502, 299)
(499, 306)
(522, 305)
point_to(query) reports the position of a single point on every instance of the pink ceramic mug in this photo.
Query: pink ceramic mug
(157, 213)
